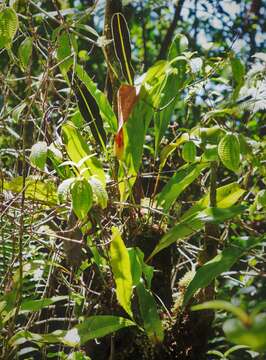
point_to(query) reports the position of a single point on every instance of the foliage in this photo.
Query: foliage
(132, 182)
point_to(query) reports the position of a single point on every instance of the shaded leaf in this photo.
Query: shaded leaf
(148, 309)
(122, 45)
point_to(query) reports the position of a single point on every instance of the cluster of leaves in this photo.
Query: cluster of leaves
(77, 199)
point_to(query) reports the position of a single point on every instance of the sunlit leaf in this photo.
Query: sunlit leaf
(8, 27)
(219, 264)
(77, 149)
(82, 196)
(178, 183)
(38, 154)
(121, 268)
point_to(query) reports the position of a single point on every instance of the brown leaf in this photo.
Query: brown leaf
(127, 97)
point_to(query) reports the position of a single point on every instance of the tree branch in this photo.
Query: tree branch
(171, 30)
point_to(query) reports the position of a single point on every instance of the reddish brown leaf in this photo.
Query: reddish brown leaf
(127, 97)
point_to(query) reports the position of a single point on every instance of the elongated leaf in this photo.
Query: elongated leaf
(36, 305)
(101, 325)
(77, 149)
(224, 305)
(89, 110)
(149, 314)
(127, 96)
(91, 328)
(168, 100)
(219, 264)
(38, 190)
(226, 196)
(139, 267)
(178, 183)
(81, 198)
(252, 336)
(135, 128)
(120, 264)
(122, 45)
(106, 112)
(195, 222)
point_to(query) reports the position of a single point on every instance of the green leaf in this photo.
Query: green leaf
(122, 45)
(77, 149)
(92, 327)
(193, 223)
(252, 336)
(25, 52)
(38, 154)
(89, 109)
(226, 196)
(67, 46)
(121, 269)
(106, 112)
(35, 189)
(8, 27)
(148, 310)
(135, 265)
(100, 325)
(36, 305)
(148, 98)
(99, 192)
(189, 151)
(139, 267)
(229, 152)
(224, 305)
(178, 45)
(82, 196)
(178, 183)
(219, 264)
(163, 117)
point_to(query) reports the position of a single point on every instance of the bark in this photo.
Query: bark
(171, 30)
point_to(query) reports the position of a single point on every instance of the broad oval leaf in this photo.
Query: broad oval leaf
(99, 192)
(24, 52)
(229, 151)
(121, 269)
(189, 151)
(82, 196)
(38, 154)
